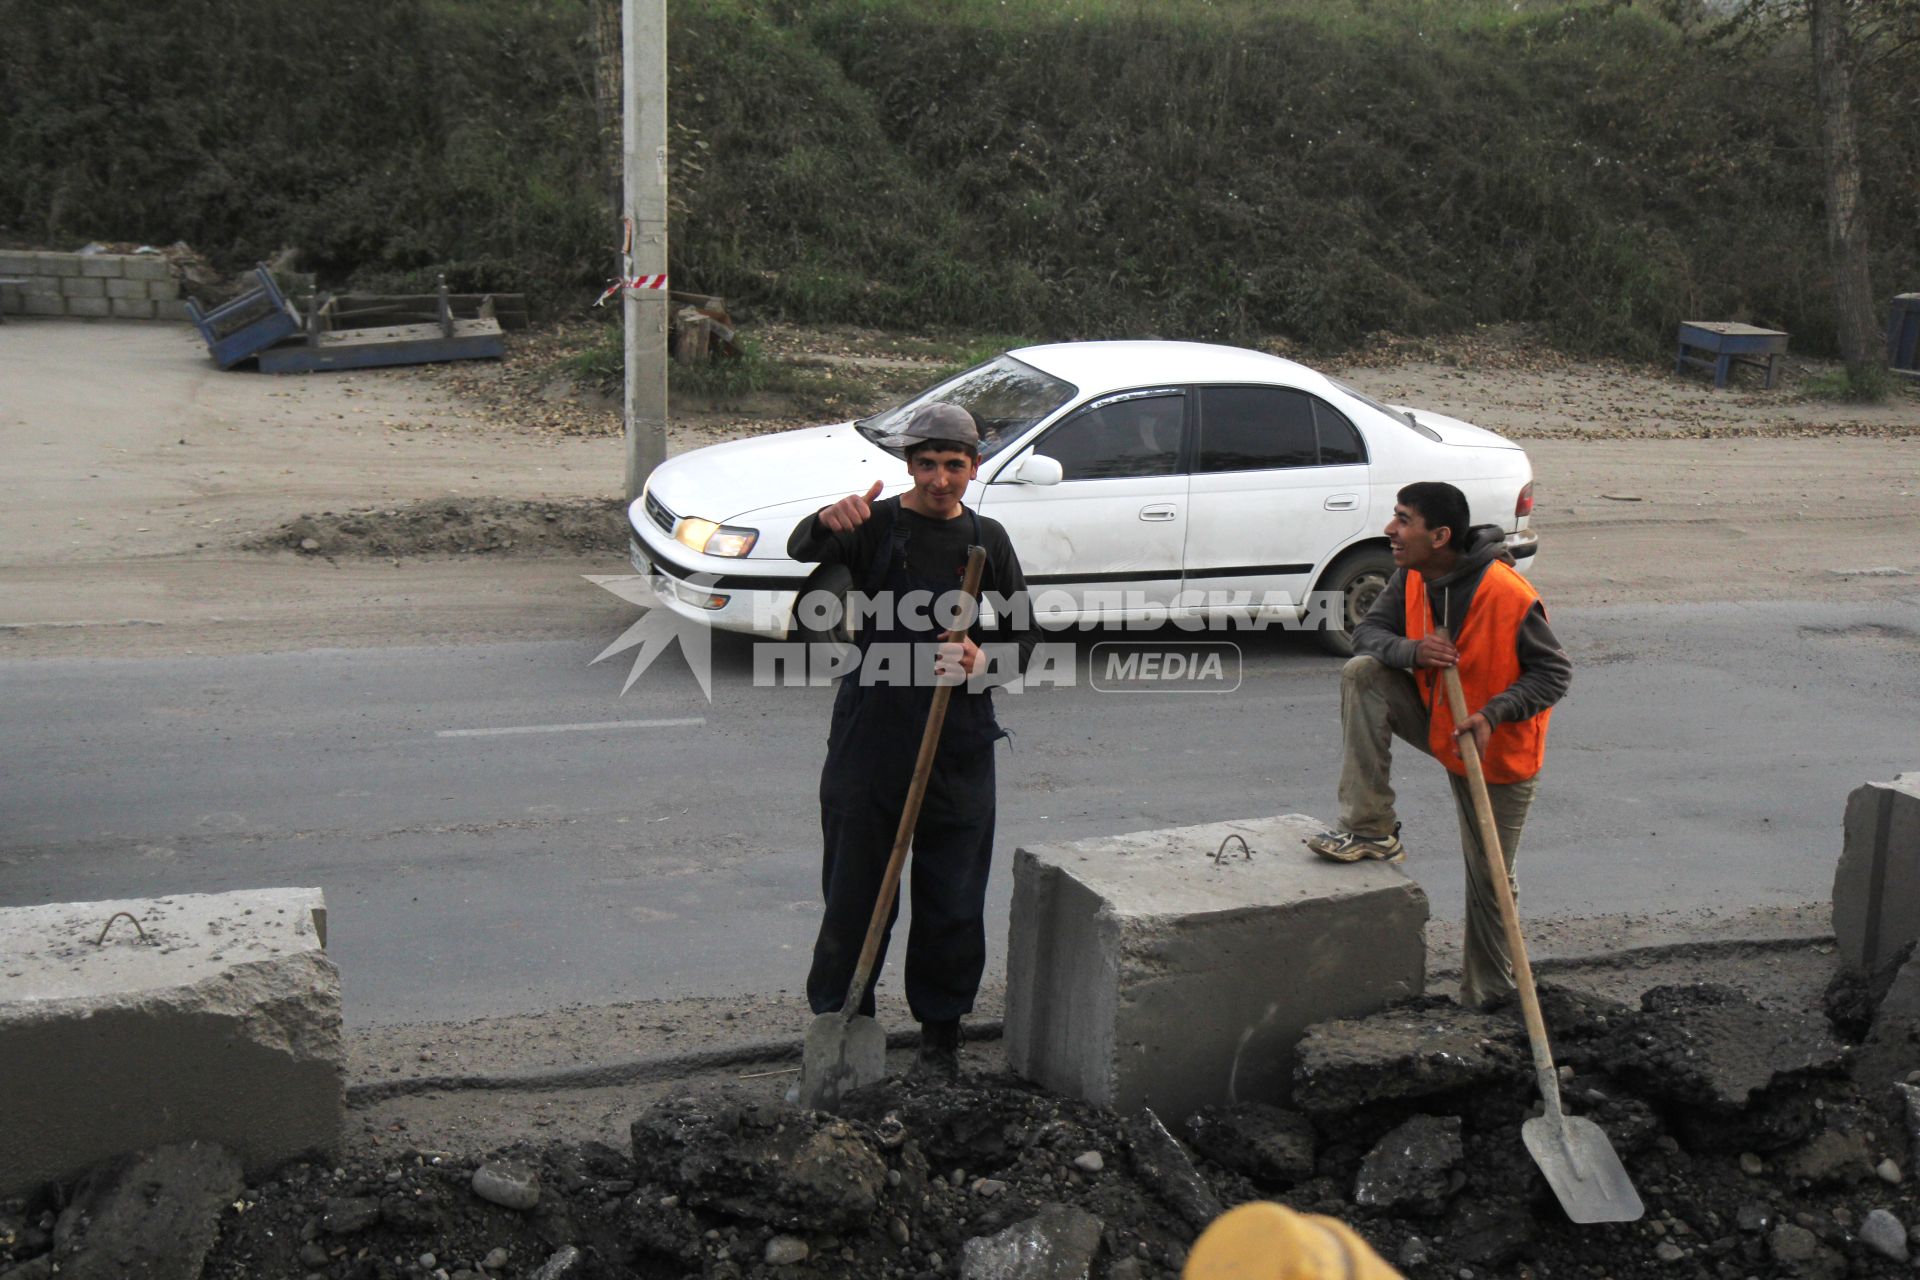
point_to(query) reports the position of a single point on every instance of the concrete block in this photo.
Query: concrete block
(163, 290)
(55, 264)
(18, 264)
(131, 308)
(147, 266)
(1876, 887)
(12, 301)
(221, 1024)
(127, 289)
(49, 285)
(1143, 972)
(83, 287)
(103, 265)
(171, 309)
(41, 304)
(1892, 1049)
(89, 306)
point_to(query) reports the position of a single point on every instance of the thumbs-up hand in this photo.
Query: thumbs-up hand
(851, 511)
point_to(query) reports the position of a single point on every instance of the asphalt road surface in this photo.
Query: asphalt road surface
(499, 830)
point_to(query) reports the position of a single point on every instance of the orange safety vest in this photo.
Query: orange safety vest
(1489, 643)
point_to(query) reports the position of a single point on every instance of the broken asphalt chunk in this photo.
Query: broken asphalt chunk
(1735, 1075)
(807, 1171)
(1414, 1050)
(1164, 1165)
(1267, 1143)
(1414, 1168)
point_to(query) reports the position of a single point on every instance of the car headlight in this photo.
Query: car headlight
(714, 539)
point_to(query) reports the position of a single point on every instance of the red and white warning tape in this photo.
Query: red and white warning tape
(658, 282)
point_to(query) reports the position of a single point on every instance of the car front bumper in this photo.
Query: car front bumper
(756, 604)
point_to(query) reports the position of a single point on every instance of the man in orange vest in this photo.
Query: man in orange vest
(1512, 670)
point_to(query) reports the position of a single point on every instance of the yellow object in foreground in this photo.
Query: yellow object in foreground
(1265, 1241)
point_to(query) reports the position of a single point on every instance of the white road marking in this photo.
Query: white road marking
(570, 728)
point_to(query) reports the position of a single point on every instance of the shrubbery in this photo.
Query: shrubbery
(1192, 169)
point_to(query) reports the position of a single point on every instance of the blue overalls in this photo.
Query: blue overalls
(871, 750)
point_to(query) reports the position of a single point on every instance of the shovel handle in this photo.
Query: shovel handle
(916, 792)
(1502, 890)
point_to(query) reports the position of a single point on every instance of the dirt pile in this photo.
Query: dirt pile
(1755, 1151)
(457, 526)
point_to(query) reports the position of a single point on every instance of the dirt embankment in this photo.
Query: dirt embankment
(457, 526)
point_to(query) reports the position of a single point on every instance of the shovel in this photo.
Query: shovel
(1579, 1163)
(846, 1049)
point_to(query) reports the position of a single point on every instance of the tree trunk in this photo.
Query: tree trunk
(1860, 338)
(608, 73)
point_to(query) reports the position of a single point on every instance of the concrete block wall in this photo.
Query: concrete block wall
(124, 286)
(1876, 886)
(1141, 971)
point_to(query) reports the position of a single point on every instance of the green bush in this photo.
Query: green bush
(1211, 169)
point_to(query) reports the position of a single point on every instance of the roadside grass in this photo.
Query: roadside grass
(805, 386)
(1873, 386)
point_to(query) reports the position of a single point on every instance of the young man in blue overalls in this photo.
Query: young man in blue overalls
(893, 547)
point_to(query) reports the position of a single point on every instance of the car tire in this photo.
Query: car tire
(1358, 577)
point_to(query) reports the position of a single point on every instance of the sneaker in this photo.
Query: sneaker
(1351, 846)
(939, 1055)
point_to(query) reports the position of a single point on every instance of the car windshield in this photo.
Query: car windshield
(1006, 396)
(1400, 416)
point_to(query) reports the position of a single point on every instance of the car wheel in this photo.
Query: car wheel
(1358, 579)
(826, 621)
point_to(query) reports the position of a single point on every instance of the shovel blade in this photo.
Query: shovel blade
(842, 1054)
(1582, 1168)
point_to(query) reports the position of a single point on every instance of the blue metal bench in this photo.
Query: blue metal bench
(1726, 344)
(1903, 335)
(368, 347)
(247, 325)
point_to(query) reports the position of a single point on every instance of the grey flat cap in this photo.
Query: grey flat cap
(936, 422)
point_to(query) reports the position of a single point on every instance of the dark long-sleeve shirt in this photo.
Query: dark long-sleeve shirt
(1545, 670)
(935, 549)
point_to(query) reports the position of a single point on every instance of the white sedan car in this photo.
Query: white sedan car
(1137, 480)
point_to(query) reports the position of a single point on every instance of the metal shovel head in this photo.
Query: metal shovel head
(1582, 1168)
(842, 1054)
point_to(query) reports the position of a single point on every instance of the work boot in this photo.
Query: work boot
(1351, 846)
(939, 1056)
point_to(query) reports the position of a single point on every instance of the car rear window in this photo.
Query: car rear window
(1340, 444)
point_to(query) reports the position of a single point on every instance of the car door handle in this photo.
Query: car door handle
(1163, 512)
(1343, 502)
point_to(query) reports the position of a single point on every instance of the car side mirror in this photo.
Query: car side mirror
(1038, 468)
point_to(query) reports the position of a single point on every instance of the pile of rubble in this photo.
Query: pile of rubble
(1763, 1142)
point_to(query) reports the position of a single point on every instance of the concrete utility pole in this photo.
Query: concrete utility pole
(644, 156)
